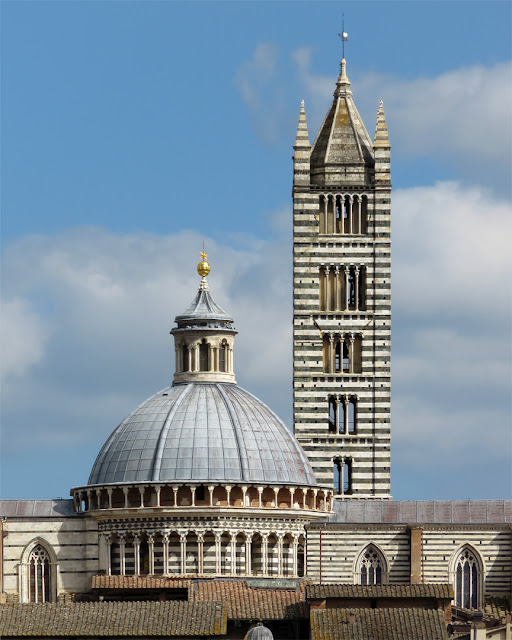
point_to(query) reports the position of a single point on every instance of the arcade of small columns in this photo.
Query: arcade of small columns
(342, 352)
(204, 355)
(198, 550)
(200, 496)
(342, 287)
(343, 214)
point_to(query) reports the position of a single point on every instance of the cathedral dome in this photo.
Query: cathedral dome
(202, 432)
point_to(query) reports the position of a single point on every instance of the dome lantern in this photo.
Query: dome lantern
(204, 337)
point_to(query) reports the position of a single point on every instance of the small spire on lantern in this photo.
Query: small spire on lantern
(203, 268)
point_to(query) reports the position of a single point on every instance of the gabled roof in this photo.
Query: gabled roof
(378, 624)
(348, 591)
(113, 619)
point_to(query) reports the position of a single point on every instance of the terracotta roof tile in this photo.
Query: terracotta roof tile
(118, 619)
(246, 603)
(139, 582)
(322, 591)
(378, 624)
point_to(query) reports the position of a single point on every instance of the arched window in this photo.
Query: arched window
(351, 418)
(467, 576)
(184, 357)
(342, 476)
(223, 357)
(346, 358)
(371, 567)
(348, 416)
(39, 578)
(337, 356)
(203, 356)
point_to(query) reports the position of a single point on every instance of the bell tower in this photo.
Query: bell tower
(342, 298)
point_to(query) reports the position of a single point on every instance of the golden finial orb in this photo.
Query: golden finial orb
(203, 268)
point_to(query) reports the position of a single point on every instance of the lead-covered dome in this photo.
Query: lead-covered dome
(202, 432)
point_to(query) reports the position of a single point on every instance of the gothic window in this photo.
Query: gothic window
(337, 482)
(371, 566)
(467, 576)
(203, 356)
(39, 579)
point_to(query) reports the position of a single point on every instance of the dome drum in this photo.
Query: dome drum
(188, 498)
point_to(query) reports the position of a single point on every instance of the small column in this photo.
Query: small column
(327, 288)
(244, 495)
(359, 214)
(136, 553)
(342, 476)
(292, 493)
(125, 491)
(337, 400)
(333, 196)
(350, 215)
(276, 491)
(315, 493)
(200, 553)
(337, 289)
(228, 495)
(347, 289)
(141, 491)
(264, 553)
(151, 549)
(331, 353)
(176, 358)
(356, 286)
(218, 551)
(215, 358)
(345, 415)
(108, 550)
(351, 354)
(189, 358)
(122, 552)
(210, 490)
(210, 358)
(193, 493)
(280, 538)
(183, 557)
(175, 492)
(295, 568)
(233, 554)
(165, 544)
(248, 547)
(260, 491)
(158, 489)
(342, 215)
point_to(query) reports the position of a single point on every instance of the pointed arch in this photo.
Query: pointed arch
(371, 566)
(467, 573)
(38, 572)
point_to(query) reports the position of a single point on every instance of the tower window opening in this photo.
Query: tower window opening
(347, 476)
(222, 357)
(203, 356)
(332, 414)
(337, 357)
(352, 416)
(346, 358)
(351, 290)
(337, 477)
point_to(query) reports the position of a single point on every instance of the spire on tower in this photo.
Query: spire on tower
(381, 130)
(302, 139)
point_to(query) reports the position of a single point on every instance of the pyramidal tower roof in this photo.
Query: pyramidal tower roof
(342, 142)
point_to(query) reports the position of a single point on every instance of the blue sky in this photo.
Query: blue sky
(133, 130)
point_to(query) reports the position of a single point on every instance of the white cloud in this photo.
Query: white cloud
(23, 338)
(451, 251)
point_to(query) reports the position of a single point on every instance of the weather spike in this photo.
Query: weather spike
(343, 35)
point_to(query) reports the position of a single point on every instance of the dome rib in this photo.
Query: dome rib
(157, 460)
(242, 452)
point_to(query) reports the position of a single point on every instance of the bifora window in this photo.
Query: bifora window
(39, 587)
